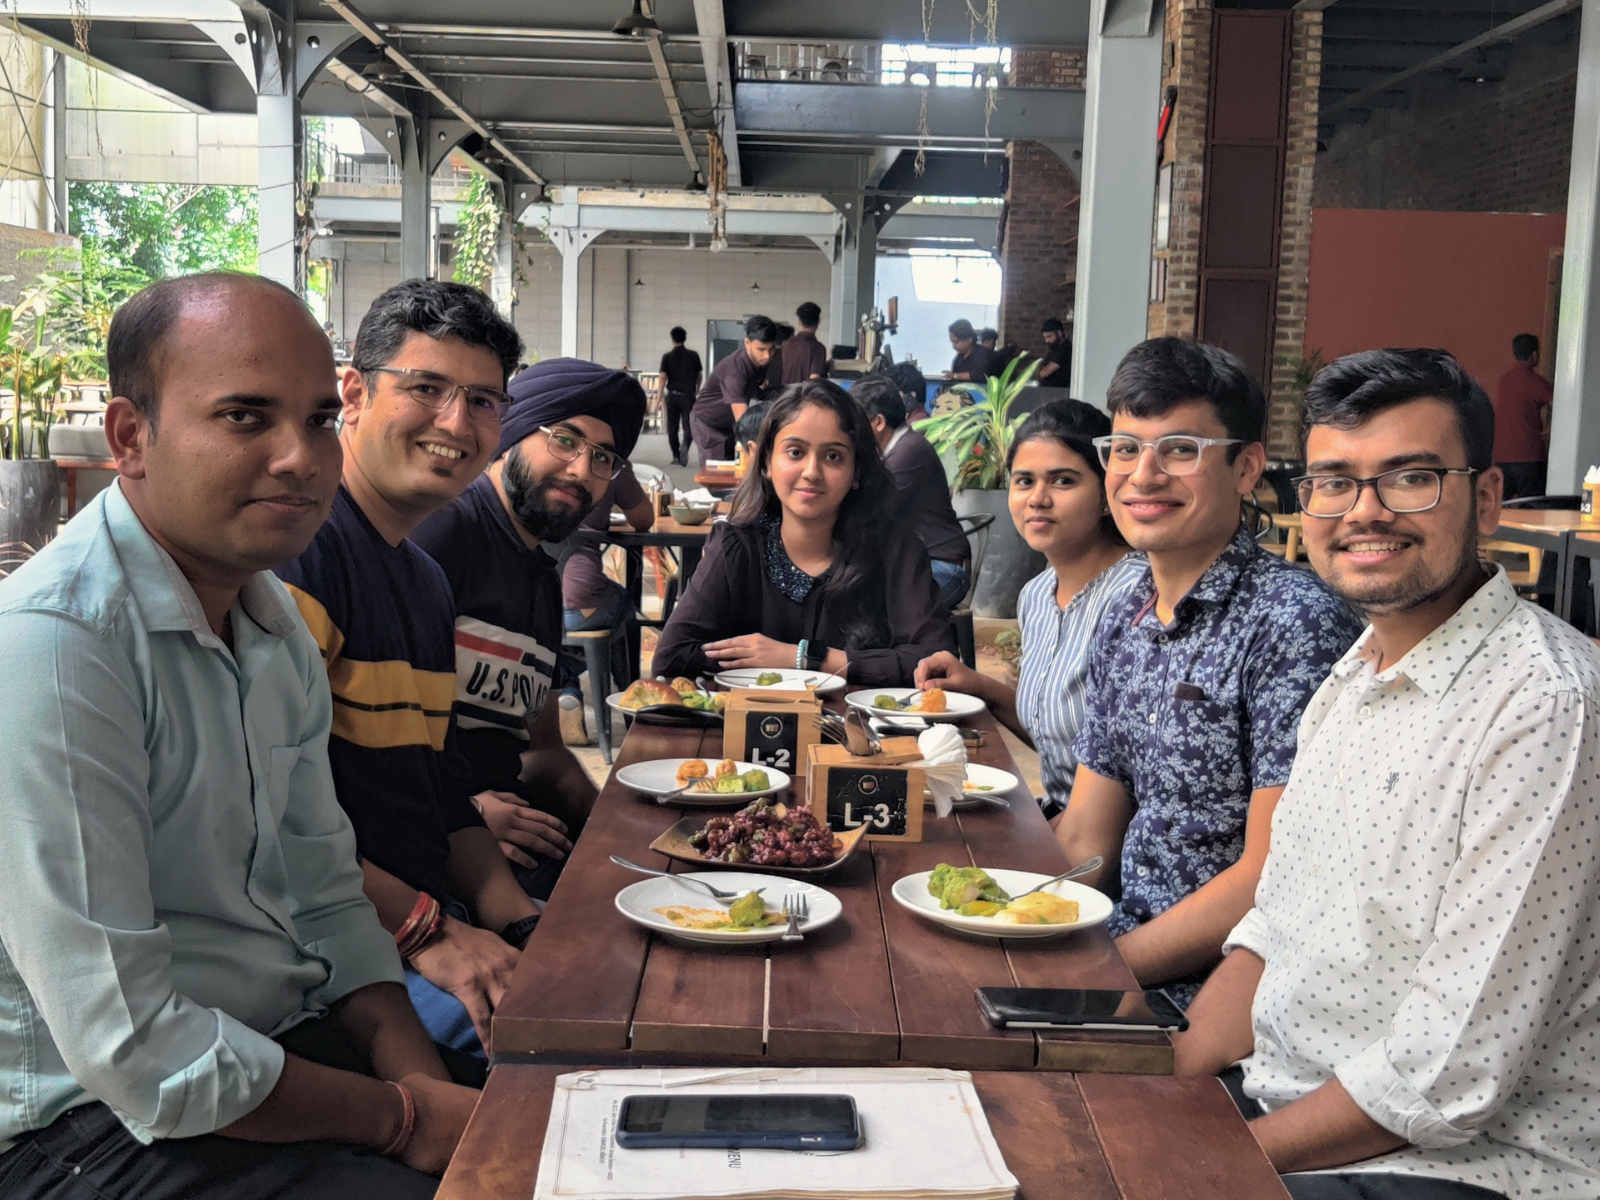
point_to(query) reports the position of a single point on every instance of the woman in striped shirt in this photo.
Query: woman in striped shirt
(1058, 502)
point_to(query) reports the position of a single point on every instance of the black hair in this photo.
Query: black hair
(785, 332)
(1075, 425)
(437, 308)
(913, 384)
(141, 326)
(808, 314)
(855, 587)
(678, 336)
(1158, 375)
(880, 396)
(1350, 391)
(761, 329)
(1524, 346)
(749, 425)
(963, 330)
(988, 335)
(1052, 325)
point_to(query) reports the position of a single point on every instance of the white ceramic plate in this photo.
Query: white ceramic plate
(661, 775)
(614, 701)
(638, 902)
(1093, 907)
(792, 680)
(957, 704)
(993, 780)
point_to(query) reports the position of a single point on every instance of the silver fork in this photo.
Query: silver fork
(719, 894)
(797, 908)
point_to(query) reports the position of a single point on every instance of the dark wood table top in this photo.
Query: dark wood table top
(879, 986)
(1089, 1137)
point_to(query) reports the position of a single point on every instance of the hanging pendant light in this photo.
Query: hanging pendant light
(637, 25)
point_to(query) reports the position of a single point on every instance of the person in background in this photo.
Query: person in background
(1059, 506)
(561, 455)
(680, 380)
(805, 573)
(924, 505)
(773, 384)
(804, 357)
(199, 1001)
(1198, 674)
(1413, 992)
(732, 384)
(913, 387)
(748, 430)
(989, 339)
(1055, 370)
(1522, 421)
(422, 405)
(973, 363)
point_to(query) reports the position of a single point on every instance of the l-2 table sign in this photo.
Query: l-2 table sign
(771, 728)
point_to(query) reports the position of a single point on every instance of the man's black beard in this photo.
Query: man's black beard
(530, 501)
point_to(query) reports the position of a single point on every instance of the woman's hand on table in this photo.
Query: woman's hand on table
(473, 965)
(521, 829)
(751, 650)
(443, 1110)
(945, 670)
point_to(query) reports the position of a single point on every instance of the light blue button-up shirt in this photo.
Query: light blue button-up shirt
(177, 881)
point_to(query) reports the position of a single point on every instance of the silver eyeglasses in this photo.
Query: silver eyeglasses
(1404, 490)
(568, 447)
(437, 392)
(1176, 454)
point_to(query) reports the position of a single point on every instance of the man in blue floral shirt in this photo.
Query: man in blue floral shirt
(1199, 675)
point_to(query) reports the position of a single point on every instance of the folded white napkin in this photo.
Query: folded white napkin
(698, 496)
(944, 763)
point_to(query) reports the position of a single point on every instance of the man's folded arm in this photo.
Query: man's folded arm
(1509, 943)
(77, 918)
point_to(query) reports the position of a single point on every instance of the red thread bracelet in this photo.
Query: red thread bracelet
(407, 1126)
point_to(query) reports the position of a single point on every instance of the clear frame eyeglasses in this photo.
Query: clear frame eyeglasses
(1176, 454)
(604, 462)
(1404, 490)
(438, 393)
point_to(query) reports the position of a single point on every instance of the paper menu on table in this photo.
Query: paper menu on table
(924, 1135)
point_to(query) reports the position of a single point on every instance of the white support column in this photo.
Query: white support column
(571, 242)
(1123, 103)
(856, 259)
(278, 118)
(55, 143)
(1575, 414)
(416, 200)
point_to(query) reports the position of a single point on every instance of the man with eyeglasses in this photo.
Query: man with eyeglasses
(562, 443)
(1199, 675)
(1413, 993)
(422, 406)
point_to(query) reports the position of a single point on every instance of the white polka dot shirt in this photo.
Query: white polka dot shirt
(1429, 913)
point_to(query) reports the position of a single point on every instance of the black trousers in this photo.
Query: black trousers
(713, 426)
(87, 1154)
(676, 408)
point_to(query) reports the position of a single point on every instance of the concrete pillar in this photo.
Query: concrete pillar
(502, 281)
(416, 199)
(571, 242)
(1575, 425)
(55, 143)
(854, 281)
(1123, 102)
(278, 118)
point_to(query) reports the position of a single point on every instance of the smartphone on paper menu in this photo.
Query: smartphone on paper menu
(797, 1122)
(1078, 1008)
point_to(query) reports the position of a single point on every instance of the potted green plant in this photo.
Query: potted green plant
(973, 443)
(30, 368)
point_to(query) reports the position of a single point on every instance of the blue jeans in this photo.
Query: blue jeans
(953, 579)
(611, 604)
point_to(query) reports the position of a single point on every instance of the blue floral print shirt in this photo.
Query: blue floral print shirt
(1194, 716)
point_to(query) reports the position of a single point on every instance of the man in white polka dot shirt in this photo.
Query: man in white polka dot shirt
(1416, 994)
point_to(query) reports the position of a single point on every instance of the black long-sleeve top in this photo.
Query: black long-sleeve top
(734, 593)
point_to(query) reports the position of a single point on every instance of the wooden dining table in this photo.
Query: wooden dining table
(879, 986)
(1551, 530)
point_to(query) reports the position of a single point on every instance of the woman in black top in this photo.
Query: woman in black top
(810, 570)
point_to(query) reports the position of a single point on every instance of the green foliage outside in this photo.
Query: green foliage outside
(477, 229)
(164, 229)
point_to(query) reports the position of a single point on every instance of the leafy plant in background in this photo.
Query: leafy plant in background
(31, 365)
(165, 229)
(973, 442)
(477, 230)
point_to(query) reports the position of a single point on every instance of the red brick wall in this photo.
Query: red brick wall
(1039, 256)
(1188, 68)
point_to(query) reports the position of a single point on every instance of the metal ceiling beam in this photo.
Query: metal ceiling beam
(370, 31)
(709, 20)
(1020, 22)
(891, 115)
(1500, 33)
(515, 33)
(669, 93)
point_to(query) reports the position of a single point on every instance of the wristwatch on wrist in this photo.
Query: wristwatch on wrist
(518, 932)
(816, 655)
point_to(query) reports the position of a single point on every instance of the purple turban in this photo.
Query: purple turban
(559, 389)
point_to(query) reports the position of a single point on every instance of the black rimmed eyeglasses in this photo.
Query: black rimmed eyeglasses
(1403, 490)
(438, 393)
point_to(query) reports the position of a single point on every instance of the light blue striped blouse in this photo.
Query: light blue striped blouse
(1053, 675)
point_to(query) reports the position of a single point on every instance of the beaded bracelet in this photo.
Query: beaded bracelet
(408, 1124)
(800, 655)
(421, 927)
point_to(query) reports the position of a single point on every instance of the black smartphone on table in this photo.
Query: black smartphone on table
(799, 1122)
(1080, 1008)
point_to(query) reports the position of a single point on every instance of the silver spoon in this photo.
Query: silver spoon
(1083, 868)
(858, 739)
(716, 893)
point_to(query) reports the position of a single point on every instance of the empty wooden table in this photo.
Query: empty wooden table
(1090, 1137)
(1550, 530)
(879, 986)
